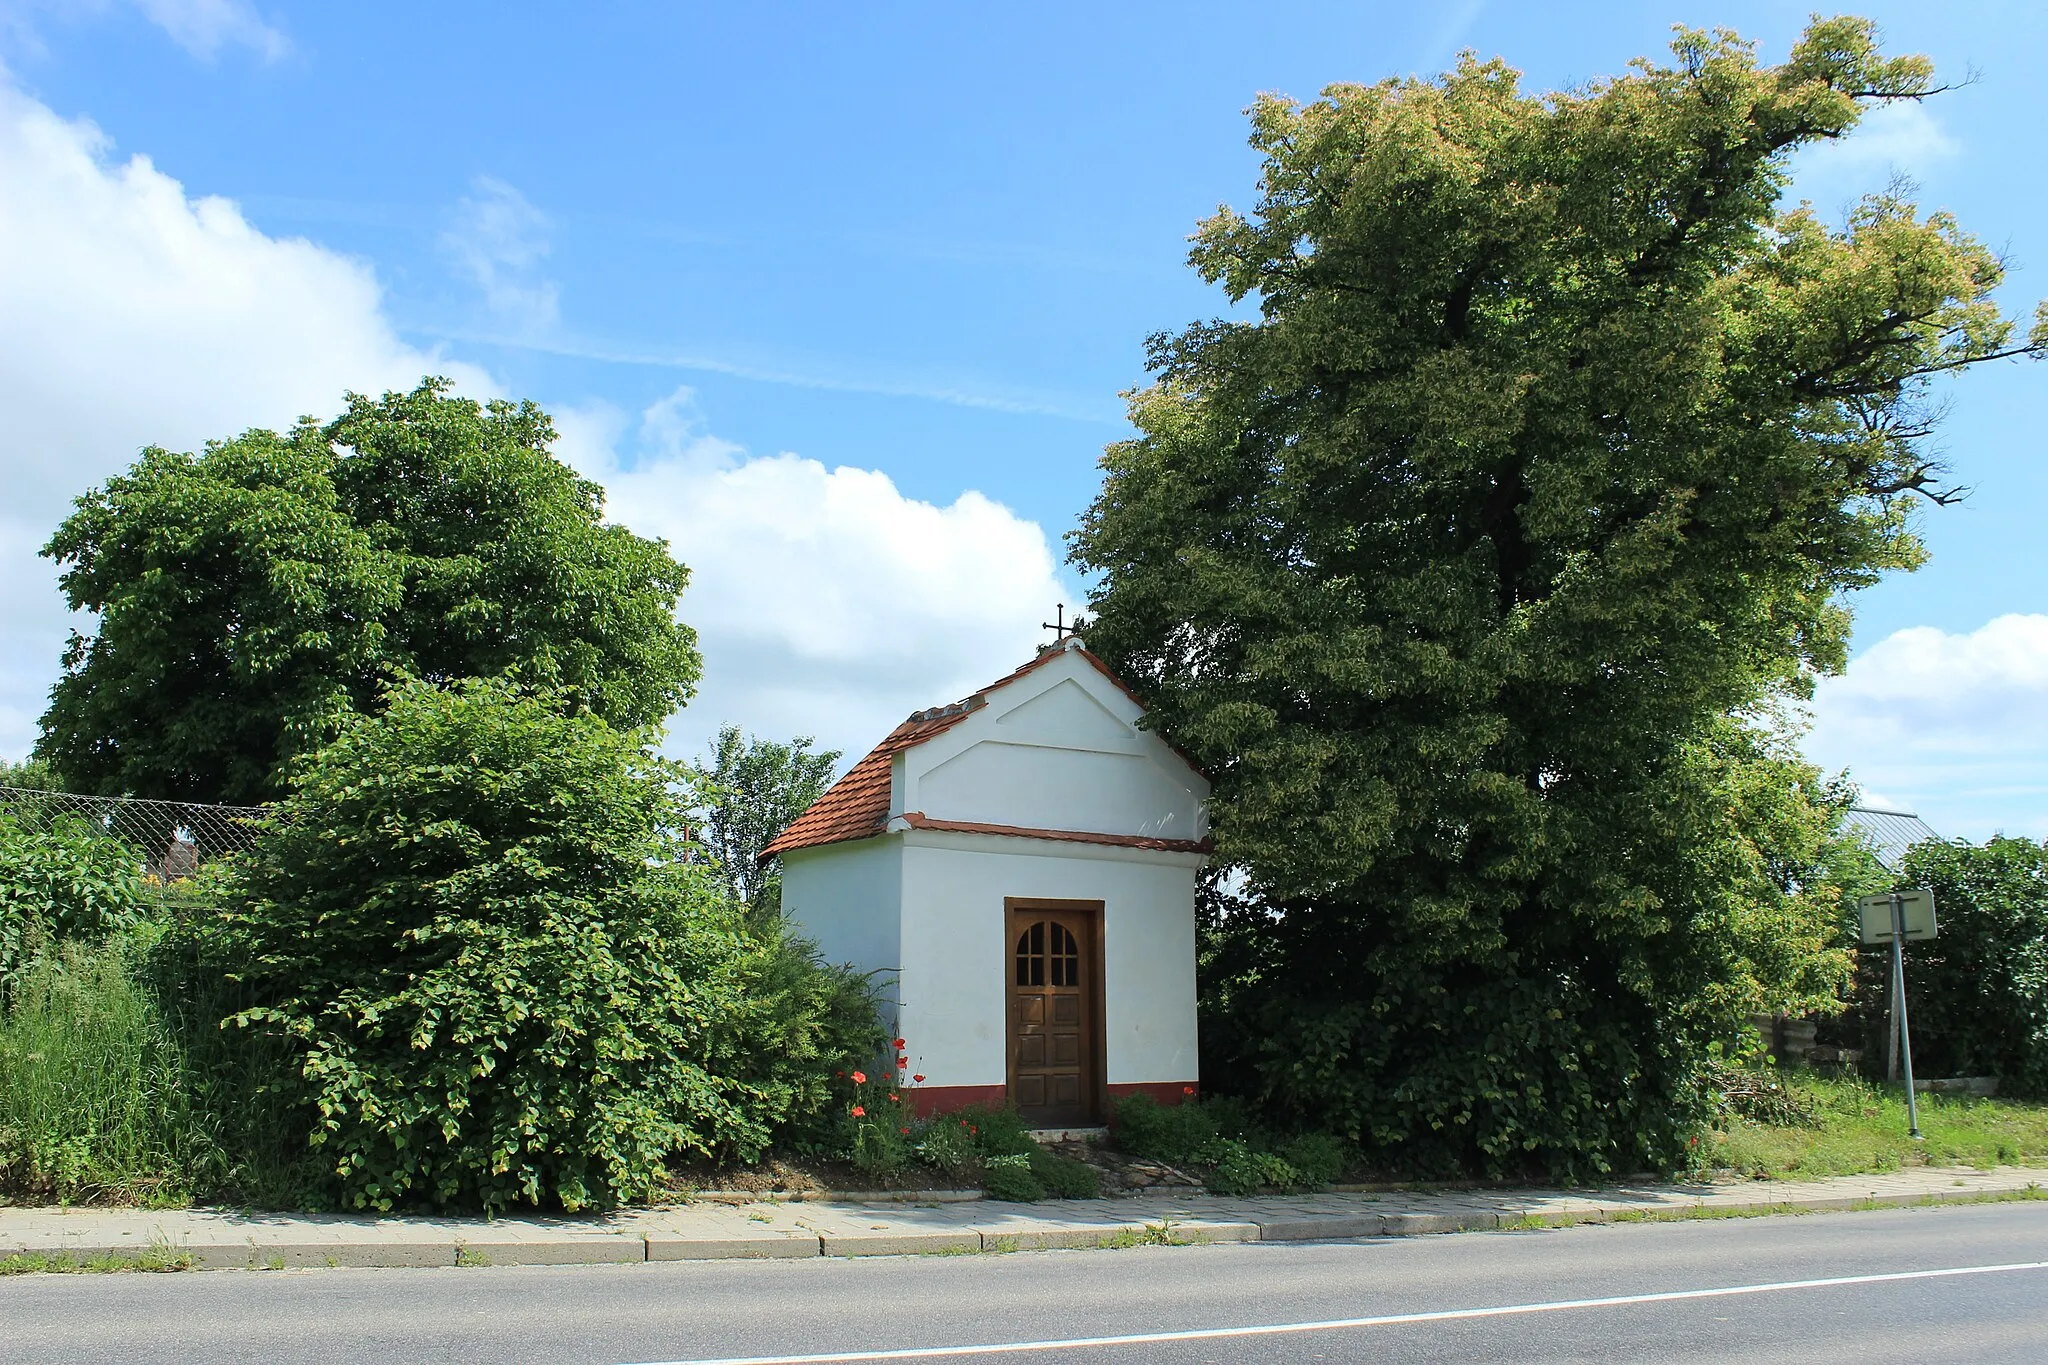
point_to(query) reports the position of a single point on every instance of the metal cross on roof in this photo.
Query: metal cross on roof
(1060, 627)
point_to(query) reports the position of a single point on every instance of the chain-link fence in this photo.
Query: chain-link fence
(170, 840)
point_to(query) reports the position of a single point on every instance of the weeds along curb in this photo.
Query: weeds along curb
(157, 1260)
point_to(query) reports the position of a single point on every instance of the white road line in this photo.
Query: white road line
(994, 1348)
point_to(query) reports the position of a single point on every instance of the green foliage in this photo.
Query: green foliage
(1978, 993)
(1009, 1177)
(1317, 1159)
(62, 879)
(947, 1144)
(998, 1132)
(1063, 1177)
(756, 788)
(501, 986)
(1237, 1169)
(93, 1101)
(240, 1085)
(994, 1146)
(31, 774)
(879, 1139)
(1219, 1135)
(247, 595)
(1177, 1134)
(1552, 449)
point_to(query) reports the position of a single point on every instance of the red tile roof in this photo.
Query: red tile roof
(857, 805)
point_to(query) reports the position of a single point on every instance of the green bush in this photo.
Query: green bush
(94, 1104)
(473, 929)
(1238, 1169)
(1063, 1177)
(1178, 1134)
(1317, 1159)
(1010, 1177)
(63, 879)
(1978, 993)
(997, 1132)
(947, 1143)
(1223, 1136)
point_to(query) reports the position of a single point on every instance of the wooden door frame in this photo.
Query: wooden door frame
(1098, 1063)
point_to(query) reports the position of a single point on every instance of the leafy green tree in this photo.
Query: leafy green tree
(31, 774)
(1977, 995)
(471, 924)
(757, 787)
(249, 595)
(1554, 444)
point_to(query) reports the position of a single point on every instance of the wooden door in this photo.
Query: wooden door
(1054, 1016)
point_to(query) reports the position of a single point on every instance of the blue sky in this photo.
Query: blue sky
(842, 301)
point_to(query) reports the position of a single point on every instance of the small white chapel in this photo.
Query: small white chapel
(1021, 865)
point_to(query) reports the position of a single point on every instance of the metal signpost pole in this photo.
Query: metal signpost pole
(1905, 1035)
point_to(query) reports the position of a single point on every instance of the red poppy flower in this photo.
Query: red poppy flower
(918, 1079)
(904, 1131)
(895, 1098)
(860, 1078)
(1187, 1090)
(900, 1045)
(902, 1063)
(972, 1129)
(859, 1112)
(840, 1074)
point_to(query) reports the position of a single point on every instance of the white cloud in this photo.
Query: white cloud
(828, 603)
(136, 314)
(1955, 726)
(203, 27)
(1904, 138)
(498, 241)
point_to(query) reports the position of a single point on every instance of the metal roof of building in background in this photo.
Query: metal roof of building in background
(1890, 832)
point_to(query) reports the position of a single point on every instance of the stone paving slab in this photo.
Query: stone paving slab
(216, 1239)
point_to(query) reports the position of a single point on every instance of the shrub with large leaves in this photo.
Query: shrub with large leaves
(501, 982)
(62, 879)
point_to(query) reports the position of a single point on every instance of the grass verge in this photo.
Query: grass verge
(1857, 1128)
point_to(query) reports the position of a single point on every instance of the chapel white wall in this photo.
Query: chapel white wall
(847, 896)
(1058, 749)
(956, 947)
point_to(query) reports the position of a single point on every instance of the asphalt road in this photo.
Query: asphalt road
(762, 1309)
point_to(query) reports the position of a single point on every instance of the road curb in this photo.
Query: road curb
(216, 1240)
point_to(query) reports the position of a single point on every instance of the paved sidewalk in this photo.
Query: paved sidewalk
(717, 1230)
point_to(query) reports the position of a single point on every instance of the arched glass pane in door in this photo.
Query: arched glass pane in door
(1048, 950)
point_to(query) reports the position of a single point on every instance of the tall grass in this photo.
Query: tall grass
(117, 1086)
(93, 1101)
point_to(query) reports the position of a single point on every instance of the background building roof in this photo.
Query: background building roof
(1890, 832)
